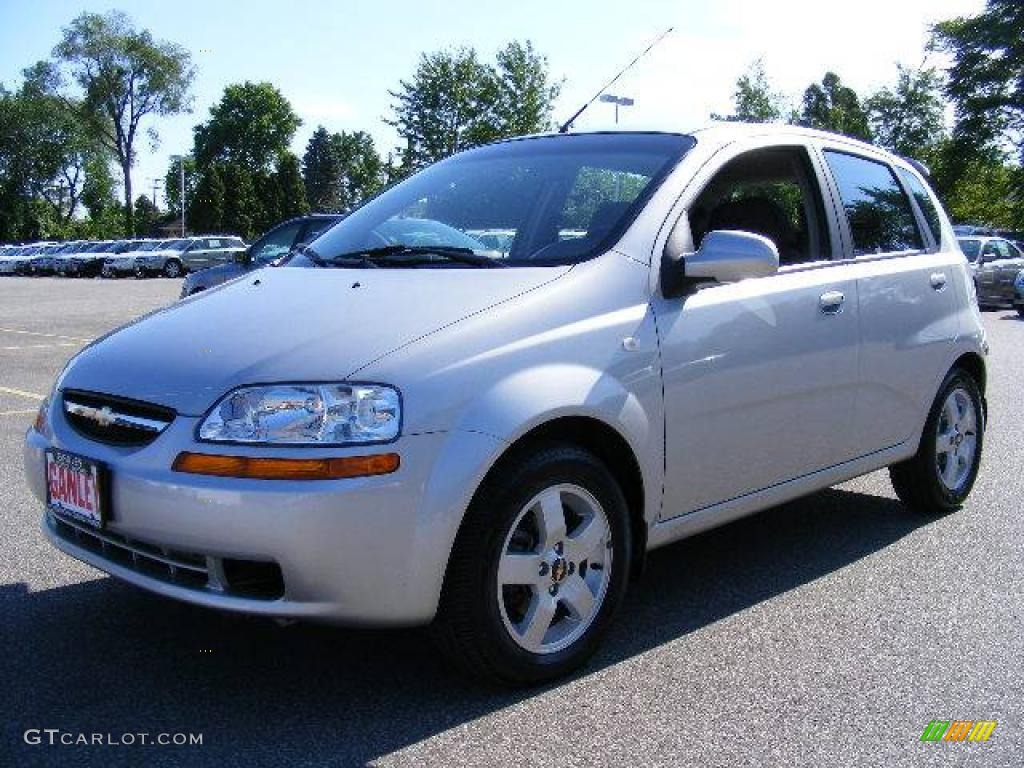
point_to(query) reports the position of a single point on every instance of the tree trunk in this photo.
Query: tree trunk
(129, 227)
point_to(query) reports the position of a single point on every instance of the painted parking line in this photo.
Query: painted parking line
(57, 345)
(44, 335)
(22, 393)
(18, 413)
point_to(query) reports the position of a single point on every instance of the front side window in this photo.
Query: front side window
(769, 192)
(315, 228)
(997, 250)
(877, 209)
(276, 244)
(555, 200)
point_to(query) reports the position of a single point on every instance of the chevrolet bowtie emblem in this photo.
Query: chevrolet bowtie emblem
(102, 416)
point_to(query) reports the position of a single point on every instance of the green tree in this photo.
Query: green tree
(341, 170)
(832, 106)
(455, 101)
(986, 78)
(99, 196)
(206, 207)
(146, 214)
(125, 75)
(754, 101)
(172, 185)
(291, 191)
(321, 172)
(362, 170)
(251, 125)
(524, 91)
(909, 118)
(240, 203)
(44, 150)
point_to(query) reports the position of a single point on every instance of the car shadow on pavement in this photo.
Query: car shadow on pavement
(101, 656)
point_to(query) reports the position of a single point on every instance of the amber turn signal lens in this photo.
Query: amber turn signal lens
(286, 469)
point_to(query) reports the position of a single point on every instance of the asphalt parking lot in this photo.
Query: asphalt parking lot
(829, 631)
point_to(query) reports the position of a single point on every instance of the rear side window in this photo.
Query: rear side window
(925, 203)
(879, 213)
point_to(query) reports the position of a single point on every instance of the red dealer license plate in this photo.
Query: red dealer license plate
(75, 487)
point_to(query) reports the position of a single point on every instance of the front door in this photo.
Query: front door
(760, 376)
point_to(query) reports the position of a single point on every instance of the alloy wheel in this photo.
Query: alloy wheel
(555, 569)
(956, 442)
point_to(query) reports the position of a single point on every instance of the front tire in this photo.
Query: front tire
(538, 569)
(940, 476)
(173, 268)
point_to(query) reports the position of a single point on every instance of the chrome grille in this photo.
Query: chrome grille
(115, 420)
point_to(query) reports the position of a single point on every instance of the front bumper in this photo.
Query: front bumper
(366, 551)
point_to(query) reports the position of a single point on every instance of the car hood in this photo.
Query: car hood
(285, 324)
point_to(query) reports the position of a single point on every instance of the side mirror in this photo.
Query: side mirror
(728, 255)
(724, 256)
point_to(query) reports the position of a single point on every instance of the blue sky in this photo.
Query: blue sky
(336, 61)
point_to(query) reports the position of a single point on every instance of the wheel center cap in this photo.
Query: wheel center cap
(559, 569)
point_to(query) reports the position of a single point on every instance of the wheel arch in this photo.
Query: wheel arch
(607, 444)
(973, 363)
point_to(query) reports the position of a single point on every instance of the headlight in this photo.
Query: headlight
(306, 414)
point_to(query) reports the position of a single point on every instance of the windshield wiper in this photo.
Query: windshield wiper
(399, 252)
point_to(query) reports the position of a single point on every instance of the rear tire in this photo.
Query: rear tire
(173, 268)
(939, 477)
(538, 569)
(1020, 311)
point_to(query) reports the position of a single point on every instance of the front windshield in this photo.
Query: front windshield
(529, 202)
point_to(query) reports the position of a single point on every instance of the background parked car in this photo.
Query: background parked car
(177, 257)
(123, 263)
(14, 260)
(88, 262)
(995, 262)
(165, 260)
(275, 244)
(45, 256)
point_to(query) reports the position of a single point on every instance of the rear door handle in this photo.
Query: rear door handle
(938, 280)
(831, 302)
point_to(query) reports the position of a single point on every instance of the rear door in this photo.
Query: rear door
(906, 293)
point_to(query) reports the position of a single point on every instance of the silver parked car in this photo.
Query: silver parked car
(175, 258)
(392, 433)
(995, 263)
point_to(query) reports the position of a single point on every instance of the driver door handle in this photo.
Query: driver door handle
(831, 302)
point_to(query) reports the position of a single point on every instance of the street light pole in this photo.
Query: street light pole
(618, 101)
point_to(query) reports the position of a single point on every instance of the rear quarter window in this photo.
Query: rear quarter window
(925, 202)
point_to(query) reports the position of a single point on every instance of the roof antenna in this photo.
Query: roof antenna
(568, 123)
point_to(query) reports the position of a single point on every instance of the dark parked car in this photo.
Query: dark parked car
(995, 262)
(275, 244)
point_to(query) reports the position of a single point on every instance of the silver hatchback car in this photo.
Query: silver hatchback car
(683, 329)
